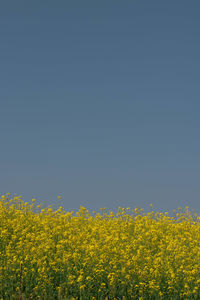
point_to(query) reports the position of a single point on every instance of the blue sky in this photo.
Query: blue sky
(99, 102)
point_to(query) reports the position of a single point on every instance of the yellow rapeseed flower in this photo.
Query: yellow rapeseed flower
(127, 255)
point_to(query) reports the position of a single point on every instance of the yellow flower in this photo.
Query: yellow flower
(66, 254)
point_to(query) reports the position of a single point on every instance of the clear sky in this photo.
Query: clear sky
(100, 102)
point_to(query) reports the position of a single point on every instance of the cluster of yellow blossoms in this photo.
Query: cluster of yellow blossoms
(46, 254)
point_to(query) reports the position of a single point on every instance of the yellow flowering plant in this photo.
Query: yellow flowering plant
(54, 254)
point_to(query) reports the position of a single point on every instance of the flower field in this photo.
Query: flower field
(53, 254)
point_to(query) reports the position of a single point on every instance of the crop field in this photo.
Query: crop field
(54, 254)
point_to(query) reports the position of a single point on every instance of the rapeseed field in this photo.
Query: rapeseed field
(53, 254)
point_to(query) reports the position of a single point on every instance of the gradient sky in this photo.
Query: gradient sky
(100, 102)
